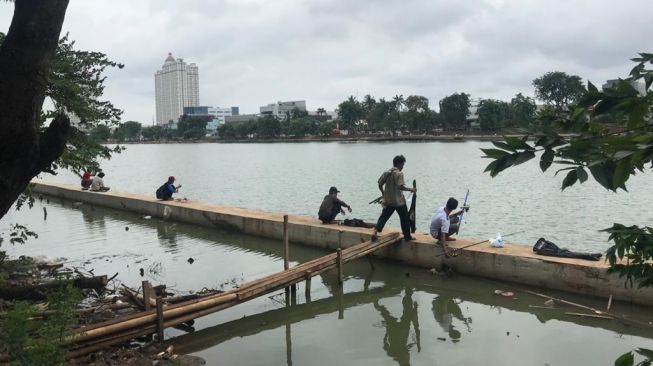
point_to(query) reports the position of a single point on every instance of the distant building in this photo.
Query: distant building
(217, 115)
(636, 84)
(281, 109)
(472, 114)
(328, 115)
(241, 118)
(176, 86)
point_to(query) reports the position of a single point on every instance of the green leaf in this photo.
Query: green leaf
(591, 87)
(523, 157)
(582, 174)
(627, 359)
(546, 159)
(648, 353)
(502, 145)
(570, 179)
(494, 153)
(602, 173)
(621, 174)
(517, 143)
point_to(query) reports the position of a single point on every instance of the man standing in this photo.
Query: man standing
(444, 223)
(391, 185)
(331, 206)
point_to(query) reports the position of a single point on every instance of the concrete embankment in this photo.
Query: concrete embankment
(514, 263)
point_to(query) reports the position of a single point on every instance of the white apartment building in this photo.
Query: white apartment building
(279, 109)
(176, 86)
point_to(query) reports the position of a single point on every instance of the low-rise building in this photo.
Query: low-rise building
(282, 109)
(217, 115)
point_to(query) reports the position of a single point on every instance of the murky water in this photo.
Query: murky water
(389, 315)
(293, 178)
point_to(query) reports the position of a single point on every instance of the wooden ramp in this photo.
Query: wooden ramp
(98, 336)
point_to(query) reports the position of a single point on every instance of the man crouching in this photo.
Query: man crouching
(331, 206)
(445, 222)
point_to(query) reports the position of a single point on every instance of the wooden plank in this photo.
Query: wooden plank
(147, 294)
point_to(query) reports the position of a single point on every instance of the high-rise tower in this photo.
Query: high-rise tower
(176, 86)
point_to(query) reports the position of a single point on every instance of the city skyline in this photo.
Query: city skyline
(253, 53)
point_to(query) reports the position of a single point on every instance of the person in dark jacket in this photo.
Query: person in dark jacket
(167, 189)
(331, 206)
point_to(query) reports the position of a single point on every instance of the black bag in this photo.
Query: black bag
(357, 223)
(160, 191)
(545, 247)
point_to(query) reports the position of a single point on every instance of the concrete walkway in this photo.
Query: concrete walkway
(513, 263)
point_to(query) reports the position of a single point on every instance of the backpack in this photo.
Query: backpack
(159, 192)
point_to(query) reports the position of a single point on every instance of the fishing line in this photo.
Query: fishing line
(456, 251)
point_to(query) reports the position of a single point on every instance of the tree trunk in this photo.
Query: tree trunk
(25, 58)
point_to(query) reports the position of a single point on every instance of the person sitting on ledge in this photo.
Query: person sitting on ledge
(87, 179)
(331, 206)
(98, 183)
(167, 189)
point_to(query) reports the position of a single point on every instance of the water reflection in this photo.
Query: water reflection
(445, 309)
(397, 331)
(167, 234)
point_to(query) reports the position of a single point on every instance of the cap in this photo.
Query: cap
(333, 190)
(171, 178)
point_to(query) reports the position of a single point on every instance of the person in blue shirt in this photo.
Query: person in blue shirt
(166, 191)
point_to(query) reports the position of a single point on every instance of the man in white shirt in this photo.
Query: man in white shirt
(444, 223)
(98, 183)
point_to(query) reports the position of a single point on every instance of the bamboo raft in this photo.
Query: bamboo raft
(98, 336)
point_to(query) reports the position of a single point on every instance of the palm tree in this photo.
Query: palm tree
(399, 101)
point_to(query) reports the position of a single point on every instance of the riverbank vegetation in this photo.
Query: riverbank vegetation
(457, 113)
(612, 140)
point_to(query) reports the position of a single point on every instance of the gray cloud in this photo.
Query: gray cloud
(252, 53)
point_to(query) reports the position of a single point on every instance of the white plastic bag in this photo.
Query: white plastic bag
(498, 242)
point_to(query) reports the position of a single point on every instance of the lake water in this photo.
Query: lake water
(389, 315)
(293, 178)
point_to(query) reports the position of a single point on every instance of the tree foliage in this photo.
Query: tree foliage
(454, 110)
(493, 114)
(77, 84)
(610, 155)
(192, 127)
(558, 89)
(350, 112)
(522, 110)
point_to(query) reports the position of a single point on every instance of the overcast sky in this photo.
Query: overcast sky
(251, 53)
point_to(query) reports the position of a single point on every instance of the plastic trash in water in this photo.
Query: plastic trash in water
(497, 242)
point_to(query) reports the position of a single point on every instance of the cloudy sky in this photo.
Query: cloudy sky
(254, 52)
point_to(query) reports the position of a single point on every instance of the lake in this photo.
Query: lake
(294, 177)
(387, 315)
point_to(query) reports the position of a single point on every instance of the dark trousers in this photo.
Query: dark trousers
(332, 216)
(403, 218)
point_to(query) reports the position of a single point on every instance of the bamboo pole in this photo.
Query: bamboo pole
(308, 277)
(286, 250)
(595, 311)
(159, 319)
(182, 312)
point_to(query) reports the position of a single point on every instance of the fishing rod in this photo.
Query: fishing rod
(456, 251)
